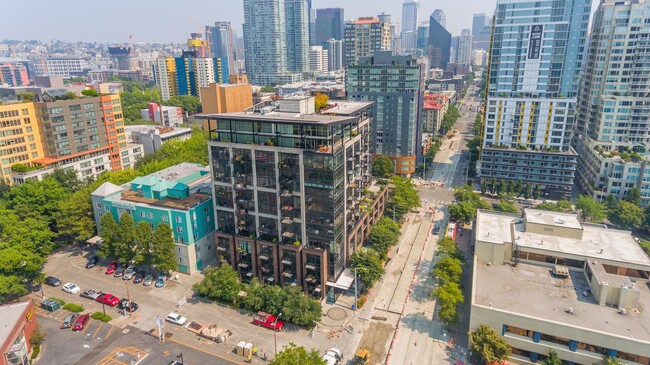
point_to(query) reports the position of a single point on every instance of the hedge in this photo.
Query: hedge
(101, 316)
(61, 301)
(72, 307)
(35, 351)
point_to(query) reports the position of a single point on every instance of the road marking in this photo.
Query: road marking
(88, 325)
(202, 350)
(97, 330)
(109, 333)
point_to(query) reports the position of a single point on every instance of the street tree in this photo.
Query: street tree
(382, 167)
(125, 238)
(590, 209)
(493, 186)
(489, 345)
(11, 287)
(447, 269)
(483, 187)
(292, 354)
(189, 103)
(627, 215)
(108, 232)
(610, 202)
(633, 196)
(537, 191)
(299, 308)
(501, 187)
(220, 284)
(518, 187)
(449, 296)
(143, 243)
(162, 249)
(369, 266)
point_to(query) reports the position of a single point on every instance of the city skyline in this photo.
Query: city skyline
(101, 29)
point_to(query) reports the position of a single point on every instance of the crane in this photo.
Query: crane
(195, 23)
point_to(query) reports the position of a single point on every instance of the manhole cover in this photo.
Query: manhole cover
(337, 314)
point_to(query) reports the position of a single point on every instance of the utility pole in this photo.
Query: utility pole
(275, 335)
(128, 299)
(355, 289)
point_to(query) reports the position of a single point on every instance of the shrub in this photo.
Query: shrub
(61, 301)
(101, 316)
(35, 351)
(72, 307)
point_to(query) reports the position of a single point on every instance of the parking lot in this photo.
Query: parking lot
(69, 266)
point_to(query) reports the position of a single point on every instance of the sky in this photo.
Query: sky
(168, 20)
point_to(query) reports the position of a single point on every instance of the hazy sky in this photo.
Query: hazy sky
(166, 20)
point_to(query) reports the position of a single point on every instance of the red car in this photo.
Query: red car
(269, 321)
(81, 322)
(110, 269)
(109, 299)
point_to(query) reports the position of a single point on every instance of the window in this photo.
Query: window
(141, 214)
(99, 205)
(150, 225)
(179, 229)
(179, 220)
(196, 236)
(150, 215)
(164, 218)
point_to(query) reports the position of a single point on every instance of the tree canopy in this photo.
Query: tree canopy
(189, 103)
(590, 209)
(382, 167)
(488, 345)
(320, 101)
(369, 266)
(627, 215)
(292, 355)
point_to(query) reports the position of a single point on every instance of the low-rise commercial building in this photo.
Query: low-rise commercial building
(434, 110)
(293, 193)
(17, 324)
(179, 196)
(167, 116)
(546, 281)
(226, 98)
(152, 138)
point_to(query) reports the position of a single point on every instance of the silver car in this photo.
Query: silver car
(69, 320)
(129, 272)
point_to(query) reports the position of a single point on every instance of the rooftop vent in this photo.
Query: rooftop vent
(569, 310)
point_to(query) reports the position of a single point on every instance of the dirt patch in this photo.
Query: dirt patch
(375, 339)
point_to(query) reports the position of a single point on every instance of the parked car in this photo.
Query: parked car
(138, 277)
(110, 269)
(147, 280)
(92, 262)
(176, 318)
(81, 322)
(71, 288)
(436, 230)
(69, 320)
(160, 282)
(124, 305)
(109, 299)
(269, 321)
(119, 271)
(52, 281)
(91, 294)
(333, 356)
(129, 272)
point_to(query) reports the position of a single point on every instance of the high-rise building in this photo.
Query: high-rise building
(197, 45)
(186, 75)
(410, 10)
(612, 135)
(121, 57)
(395, 38)
(13, 74)
(276, 37)
(396, 85)
(440, 17)
(464, 48)
(481, 40)
(453, 50)
(423, 38)
(479, 21)
(288, 189)
(334, 54)
(21, 137)
(330, 24)
(439, 44)
(220, 43)
(318, 59)
(531, 94)
(365, 36)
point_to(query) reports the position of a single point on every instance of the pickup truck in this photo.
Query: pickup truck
(91, 294)
(269, 321)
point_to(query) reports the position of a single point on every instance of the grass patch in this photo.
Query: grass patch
(645, 245)
(35, 351)
(101, 316)
(61, 301)
(72, 307)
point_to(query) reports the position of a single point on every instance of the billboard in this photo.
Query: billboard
(535, 42)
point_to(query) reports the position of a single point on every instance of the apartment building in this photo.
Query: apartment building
(179, 196)
(20, 137)
(546, 281)
(66, 67)
(363, 37)
(293, 193)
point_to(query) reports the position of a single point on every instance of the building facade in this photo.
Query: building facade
(179, 196)
(423, 38)
(121, 57)
(220, 43)
(330, 24)
(464, 49)
(297, 20)
(288, 188)
(363, 37)
(612, 134)
(397, 130)
(13, 74)
(166, 116)
(165, 77)
(18, 323)
(440, 17)
(318, 59)
(334, 54)
(21, 137)
(152, 138)
(532, 90)
(226, 98)
(546, 281)
(434, 110)
(410, 10)
(66, 66)
(439, 44)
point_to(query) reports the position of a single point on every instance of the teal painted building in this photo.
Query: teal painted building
(179, 196)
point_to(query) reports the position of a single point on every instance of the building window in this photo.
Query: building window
(141, 214)
(150, 215)
(164, 218)
(150, 225)
(196, 236)
(179, 229)
(179, 220)
(99, 205)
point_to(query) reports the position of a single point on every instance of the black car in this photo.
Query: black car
(52, 281)
(123, 305)
(119, 271)
(138, 277)
(92, 262)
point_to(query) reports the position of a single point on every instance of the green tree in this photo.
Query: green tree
(162, 248)
(633, 196)
(267, 89)
(590, 209)
(493, 186)
(518, 187)
(552, 359)
(449, 297)
(11, 288)
(447, 247)
(382, 167)
(108, 232)
(611, 361)
(189, 103)
(38, 197)
(627, 215)
(383, 236)
(501, 187)
(299, 308)
(125, 238)
(221, 284)
(488, 345)
(74, 218)
(464, 212)
(536, 192)
(369, 266)
(611, 202)
(89, 92)
(527, 191)
(26, 97)
(483, 187)
(143, 242)
(506, 205)
(509, 187)
(292, 354)
(448, 269)
(320, 101)
(253, 300)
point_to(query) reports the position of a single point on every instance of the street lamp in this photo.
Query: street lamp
(181, 357)
(275, 334)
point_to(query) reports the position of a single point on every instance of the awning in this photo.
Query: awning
(344, 282)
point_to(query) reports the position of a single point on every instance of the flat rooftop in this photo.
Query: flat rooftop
(281, 117)
(9, 316)
(345, 107)
(163, 131)
(597, 241)
(552, 218)
(532, 291)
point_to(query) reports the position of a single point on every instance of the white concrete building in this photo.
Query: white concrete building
(318, 59)
(464, 49)
(545, 281)
(152, 137)
(66, 66)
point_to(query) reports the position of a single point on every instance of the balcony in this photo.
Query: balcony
(310, 267)
(243, 265)
(287, 262)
